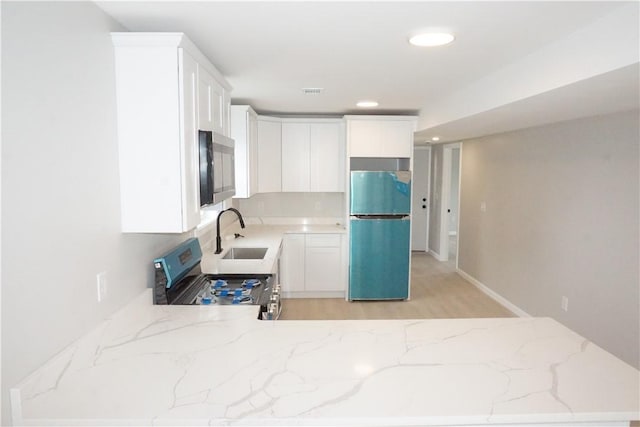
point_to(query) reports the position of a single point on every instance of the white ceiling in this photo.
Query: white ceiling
(357, 50)
(607, 93)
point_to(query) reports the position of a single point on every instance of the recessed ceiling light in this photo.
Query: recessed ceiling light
(431, 39)
(367, 104)
(435, 139)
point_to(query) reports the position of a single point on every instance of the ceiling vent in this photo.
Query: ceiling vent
(312, 90)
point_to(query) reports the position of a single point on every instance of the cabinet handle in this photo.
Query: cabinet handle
(424, 206)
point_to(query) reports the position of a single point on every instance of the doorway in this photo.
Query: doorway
(449, 214)
(420, 195)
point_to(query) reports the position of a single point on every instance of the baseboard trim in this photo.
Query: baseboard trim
(436, 255)
(493, 295)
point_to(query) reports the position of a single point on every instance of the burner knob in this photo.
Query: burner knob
(272, 311)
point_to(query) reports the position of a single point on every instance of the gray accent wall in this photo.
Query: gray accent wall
(454, 190)
(562, 219)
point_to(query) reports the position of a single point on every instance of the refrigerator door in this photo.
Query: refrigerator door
(377, 192)
(379, 259)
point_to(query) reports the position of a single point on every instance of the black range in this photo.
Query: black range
(180, 281)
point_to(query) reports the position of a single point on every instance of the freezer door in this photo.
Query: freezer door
(377, 192)
(379, 259)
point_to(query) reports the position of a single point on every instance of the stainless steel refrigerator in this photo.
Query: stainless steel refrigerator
(380, 227)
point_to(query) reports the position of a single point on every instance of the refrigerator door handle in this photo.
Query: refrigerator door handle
(368, 217)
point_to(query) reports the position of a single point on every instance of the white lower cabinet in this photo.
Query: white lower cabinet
(314, 265)
(322, 269)
(292, 263)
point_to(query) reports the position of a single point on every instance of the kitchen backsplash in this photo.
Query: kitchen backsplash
(293, 205)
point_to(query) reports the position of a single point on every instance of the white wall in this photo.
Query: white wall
(60, 197)
(561, 220)
(325, 205)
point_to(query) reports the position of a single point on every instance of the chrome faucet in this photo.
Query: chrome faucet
(218, 238)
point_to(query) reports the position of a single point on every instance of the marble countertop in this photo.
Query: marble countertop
(211, 365)
(258, 236)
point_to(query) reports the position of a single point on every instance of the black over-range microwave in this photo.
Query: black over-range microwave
(217, 167)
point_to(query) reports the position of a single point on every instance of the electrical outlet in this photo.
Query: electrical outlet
(101, 283)
(565, 303)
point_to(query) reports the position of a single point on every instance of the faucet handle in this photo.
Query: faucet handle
(238, 235)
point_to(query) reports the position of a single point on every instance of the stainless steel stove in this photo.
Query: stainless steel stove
(179, 281)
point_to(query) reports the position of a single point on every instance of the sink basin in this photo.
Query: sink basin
(245, 253)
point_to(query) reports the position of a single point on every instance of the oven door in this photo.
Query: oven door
(267, 295)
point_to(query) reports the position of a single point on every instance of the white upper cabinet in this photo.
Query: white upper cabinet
(295, 156)
(205, 104)
(226, 112)
(313, 156)
(163, 97)
(211, 103)
(190, 165)
(380, 136)
(244, 131)
(217, 107)
(269, 155)
(326, 157)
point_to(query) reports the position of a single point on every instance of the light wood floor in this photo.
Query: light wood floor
(437, 292)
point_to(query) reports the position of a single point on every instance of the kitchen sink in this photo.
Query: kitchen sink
(245, 253)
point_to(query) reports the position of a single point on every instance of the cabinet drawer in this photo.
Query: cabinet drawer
(323, 240)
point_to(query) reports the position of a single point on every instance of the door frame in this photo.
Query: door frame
(447, 151)
(428, 196)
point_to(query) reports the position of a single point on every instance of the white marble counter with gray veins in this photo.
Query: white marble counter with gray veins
(202, 365)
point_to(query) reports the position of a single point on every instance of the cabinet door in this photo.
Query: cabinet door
(327, 159)
(380, 138)
(292, 263)
(213, 108)
(218, 108)
(244, 131)
(239, 133)
(205, 98)
(189, 144)
(323, 269)
(269, 156)
(295, 157)
(226, 113)
(252, 137)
